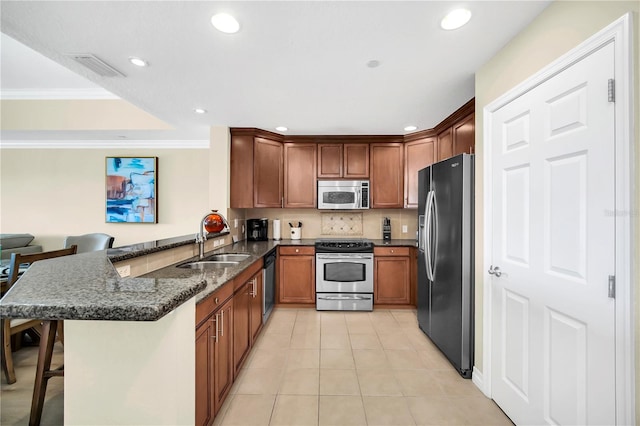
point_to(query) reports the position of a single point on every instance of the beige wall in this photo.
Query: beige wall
(111, 114)
(51, 193)
(558, 29)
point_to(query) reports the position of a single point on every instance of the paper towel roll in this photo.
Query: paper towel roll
(276, 229)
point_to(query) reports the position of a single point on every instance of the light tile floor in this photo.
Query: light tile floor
(351, 368)
(15, 399)
(318, 368)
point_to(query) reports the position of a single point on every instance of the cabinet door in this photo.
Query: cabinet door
(392, 283)
(223, 352)
(417, 155)
(356, 161)
(445, 144)
(387, 175)
(300, 175)
(464, 135)
(330, 160)
(241, 170)
(205, 401)
(256, 306)
(297, 282)
(267, 172)
(241, 326)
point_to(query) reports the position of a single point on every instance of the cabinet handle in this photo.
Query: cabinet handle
(215, 300)
(215, 321)
(392, 251)
(297, 250)
(221, 325)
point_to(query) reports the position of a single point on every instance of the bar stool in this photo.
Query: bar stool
(47, 339)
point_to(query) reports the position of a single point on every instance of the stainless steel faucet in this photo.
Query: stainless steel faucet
(201, 236)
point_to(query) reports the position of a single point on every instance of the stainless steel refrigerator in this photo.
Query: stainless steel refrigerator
(446, 259)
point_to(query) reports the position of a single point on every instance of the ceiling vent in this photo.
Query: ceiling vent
(94, 64)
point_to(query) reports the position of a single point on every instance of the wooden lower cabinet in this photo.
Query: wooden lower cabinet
(205, 401)
(256, 308)
(214, 362)
(228, 322)
(297, 275)
(392, 276)
(247, 319)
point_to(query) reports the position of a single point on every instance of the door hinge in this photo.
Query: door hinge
(612, 286)
(611, 90)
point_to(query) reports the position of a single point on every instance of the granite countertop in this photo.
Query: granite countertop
(86, 286)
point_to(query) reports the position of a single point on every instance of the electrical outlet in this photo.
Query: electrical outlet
(216, 243)
(235, 223)
(124, 270)
(404, 229)
(220, 242)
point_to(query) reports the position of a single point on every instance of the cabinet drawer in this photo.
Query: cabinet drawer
(391, 251)
(294, 250)
(213, 302)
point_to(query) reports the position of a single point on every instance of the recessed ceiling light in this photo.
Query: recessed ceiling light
(374, 63)
(199, 110)
(281, 129)
(410, 128)
(455, 19)
(138, 62)
(225, 23)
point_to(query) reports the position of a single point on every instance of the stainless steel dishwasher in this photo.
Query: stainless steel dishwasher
(268, 284)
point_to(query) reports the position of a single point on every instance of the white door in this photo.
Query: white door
(553, 242)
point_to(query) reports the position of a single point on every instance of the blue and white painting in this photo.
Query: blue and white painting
(131, 189)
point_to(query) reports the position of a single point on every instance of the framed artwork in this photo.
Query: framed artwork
(131, 190)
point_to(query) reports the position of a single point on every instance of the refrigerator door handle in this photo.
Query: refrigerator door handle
(420, 232)
(428, 243)
(434, 206)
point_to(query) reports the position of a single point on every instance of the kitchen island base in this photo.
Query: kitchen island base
(131, 372)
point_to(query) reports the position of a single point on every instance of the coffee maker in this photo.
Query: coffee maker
(257, 229)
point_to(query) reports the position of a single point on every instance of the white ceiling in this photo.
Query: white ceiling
(297, 64)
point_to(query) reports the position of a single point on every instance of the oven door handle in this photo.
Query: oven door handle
(350, 256)
(354, 297)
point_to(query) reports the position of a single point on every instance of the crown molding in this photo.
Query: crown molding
(104, 144)
(56, 94)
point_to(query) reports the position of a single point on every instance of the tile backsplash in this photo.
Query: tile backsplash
(342, 223)
(339, 224)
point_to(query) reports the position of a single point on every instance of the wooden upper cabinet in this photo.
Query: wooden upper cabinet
(329, 160)
(464, 135)
(418, 154)
(445, 144)
(267, 173)
(387, 175)
(343, 160)
(356, 161)
(300, 175)
(241, 186)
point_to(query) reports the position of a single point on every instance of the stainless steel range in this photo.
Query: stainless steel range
(344, 275)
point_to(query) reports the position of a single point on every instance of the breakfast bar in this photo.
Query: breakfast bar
(128, 342)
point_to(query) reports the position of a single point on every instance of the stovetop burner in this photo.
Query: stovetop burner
(344, 246)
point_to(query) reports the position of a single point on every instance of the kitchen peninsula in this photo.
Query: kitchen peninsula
(129, 348)
(129, 342)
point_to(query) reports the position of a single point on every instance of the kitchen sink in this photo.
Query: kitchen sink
(208, 264)
(229, 257)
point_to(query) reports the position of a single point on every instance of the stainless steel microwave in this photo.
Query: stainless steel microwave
(343, 194)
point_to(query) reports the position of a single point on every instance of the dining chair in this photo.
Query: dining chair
(90, 242)
(12, 326)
